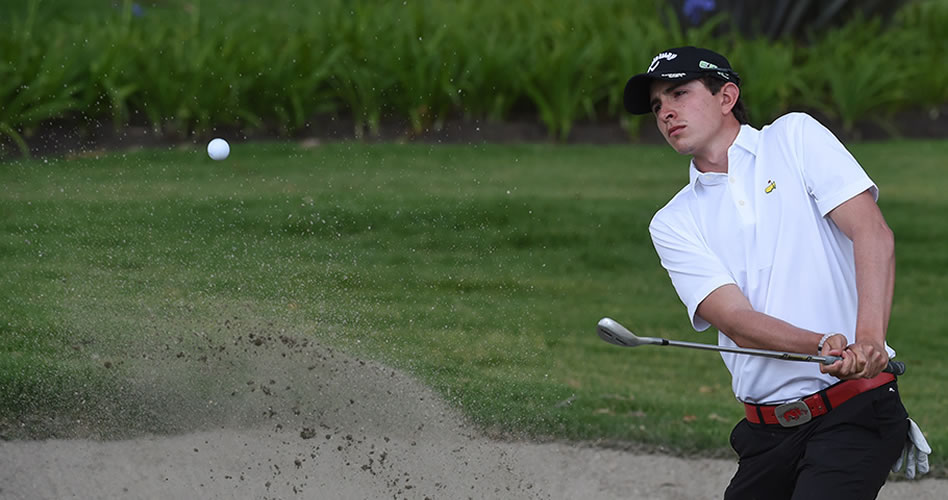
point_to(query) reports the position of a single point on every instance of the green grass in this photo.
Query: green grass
(481, 269)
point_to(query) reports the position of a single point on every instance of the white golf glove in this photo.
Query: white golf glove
(915, 454)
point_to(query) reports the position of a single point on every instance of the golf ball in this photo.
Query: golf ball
(218, 149)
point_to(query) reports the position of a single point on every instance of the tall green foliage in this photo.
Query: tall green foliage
(774, 81)
(34, 84)
(856, 84)
(927, 23)
(184, 68)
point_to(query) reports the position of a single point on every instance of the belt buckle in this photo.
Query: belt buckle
(793, 414)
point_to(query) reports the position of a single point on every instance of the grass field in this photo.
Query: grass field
(481, 269)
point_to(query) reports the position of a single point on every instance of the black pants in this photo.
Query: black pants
(846, 453)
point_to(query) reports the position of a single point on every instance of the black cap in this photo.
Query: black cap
(682, 63)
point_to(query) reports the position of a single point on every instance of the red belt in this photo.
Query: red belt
(802, 411)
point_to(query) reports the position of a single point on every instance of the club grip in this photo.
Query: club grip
(894, 367)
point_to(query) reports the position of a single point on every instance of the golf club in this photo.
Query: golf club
(611, 331)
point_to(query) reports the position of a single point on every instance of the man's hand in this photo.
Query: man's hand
(860, 360)
(875, 356)
(846, 368)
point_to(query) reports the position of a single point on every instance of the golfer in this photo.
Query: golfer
(778, 243)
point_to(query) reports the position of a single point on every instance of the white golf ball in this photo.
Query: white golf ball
(218, 149)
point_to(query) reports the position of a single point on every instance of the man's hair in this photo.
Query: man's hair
(714, 85)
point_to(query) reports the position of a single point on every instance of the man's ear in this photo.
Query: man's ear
(729, 94)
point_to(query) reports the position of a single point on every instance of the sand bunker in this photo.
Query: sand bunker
(263, 416)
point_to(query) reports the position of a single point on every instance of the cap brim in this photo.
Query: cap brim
(636, 97)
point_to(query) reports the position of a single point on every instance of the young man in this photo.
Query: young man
(777, 242)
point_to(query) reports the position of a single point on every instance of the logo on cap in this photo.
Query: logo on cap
(667, 56)
(707, 65)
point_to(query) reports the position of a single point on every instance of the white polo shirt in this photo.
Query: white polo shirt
(763, 226)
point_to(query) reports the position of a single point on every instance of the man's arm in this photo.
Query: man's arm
(730, 312)
(860, 219)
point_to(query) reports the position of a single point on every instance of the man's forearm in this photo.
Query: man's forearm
(730, 312)
(757, 330)
(874, 253)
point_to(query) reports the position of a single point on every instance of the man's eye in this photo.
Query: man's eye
(679, 93)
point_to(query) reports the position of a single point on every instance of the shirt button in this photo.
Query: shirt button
(741, 203)
(733, 180)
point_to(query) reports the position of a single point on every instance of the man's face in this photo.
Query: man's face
(687, 114)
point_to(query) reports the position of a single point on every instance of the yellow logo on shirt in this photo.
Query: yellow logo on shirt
(771, 185)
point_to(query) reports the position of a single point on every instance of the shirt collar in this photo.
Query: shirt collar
(746, 140)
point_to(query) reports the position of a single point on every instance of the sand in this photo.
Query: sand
(302, 421)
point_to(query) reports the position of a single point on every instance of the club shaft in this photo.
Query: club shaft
(611, 331)
(789, 356)
(894, 367)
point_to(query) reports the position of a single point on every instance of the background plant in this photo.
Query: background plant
(927, 73)
(281, 67)
(35, 87)
(854, 73)
(774, 83)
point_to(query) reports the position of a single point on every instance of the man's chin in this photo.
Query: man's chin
(681, 148)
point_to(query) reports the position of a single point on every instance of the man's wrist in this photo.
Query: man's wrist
(819, 346)
(866, 335)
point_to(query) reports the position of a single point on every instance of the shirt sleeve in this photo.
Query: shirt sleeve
(695, 271)
(831, 174)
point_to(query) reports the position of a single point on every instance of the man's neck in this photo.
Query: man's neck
(715, 158)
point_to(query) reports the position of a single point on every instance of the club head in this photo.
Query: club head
(612, 332)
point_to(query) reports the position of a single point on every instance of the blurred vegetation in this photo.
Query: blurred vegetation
(776, 19)
(182, 67)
